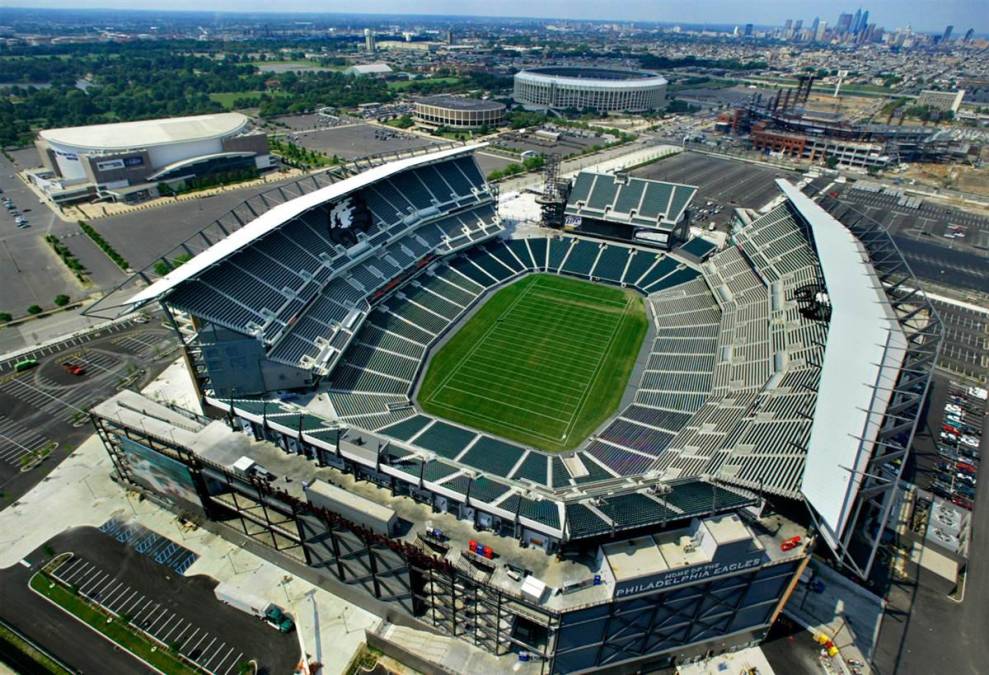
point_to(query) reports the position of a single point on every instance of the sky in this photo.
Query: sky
(928, 15)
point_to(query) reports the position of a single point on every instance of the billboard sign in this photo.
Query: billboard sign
(157, 472)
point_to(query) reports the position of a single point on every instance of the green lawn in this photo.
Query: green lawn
(543, 362)
(118, 631)
(399, 85)
(227, 98)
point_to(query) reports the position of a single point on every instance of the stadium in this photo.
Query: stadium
(598, 455)
(600, 89)
(458, 112)
(126, 160)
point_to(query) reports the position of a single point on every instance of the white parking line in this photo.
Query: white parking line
(86, 579)
(68, 578)
(164, 613)
(100, 580)
(132, 602)
(168, 622)
(144, 607)
(179, 636)
(206, 648)
(124, 598)
(225, 657)
(106, 591)
(189, 639)
(116, 594)
(77, 565)
(172, 630)
(235, 662)
(219, 650)
(195, 646)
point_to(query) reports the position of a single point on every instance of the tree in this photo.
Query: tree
(5, 317)
(34, 309)
(61, 300)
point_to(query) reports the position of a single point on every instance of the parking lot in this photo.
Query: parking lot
(724, 182)
(360, 140)
(30, 273)
(178, 611)
(965, 349)
(946, 452)
(942, 244)
(567, 142)
(47, 405)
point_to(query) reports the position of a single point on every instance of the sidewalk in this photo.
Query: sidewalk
(79, 493)
(847, 613)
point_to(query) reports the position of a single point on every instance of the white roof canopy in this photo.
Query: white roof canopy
(862, 358)
(146, 133)
(279, 215)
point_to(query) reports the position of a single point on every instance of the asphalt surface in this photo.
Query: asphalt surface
(45, 404)
(177, 609)
(924, 630)
(30, 272)
(965, 349)
(360, 140)
(726, 182)
(919, 233)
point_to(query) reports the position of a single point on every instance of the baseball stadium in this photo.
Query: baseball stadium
(575, 453)
(601, 89)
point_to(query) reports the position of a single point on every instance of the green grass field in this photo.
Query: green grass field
(543, 362)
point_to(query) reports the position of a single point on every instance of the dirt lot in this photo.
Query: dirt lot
(952, 176)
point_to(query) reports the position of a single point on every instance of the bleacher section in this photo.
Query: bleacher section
(298, 286)
(753, 429)
(382, 360)
(628, 200)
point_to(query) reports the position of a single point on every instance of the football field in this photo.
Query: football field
(543, 362)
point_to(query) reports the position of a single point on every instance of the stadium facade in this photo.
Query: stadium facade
(660, 539)
(458, 112)
(126, 160)
(600, 89)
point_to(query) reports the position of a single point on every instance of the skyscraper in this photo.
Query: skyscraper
(857, 20)
(968, 35)
(844, 23)
(814, 24)
(947, 33)
(819, 33)
(369, 41)
(863, 22)
(748, 30)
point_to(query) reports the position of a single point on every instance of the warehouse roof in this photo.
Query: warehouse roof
(146, 133)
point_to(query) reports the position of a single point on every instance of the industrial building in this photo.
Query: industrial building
(659, 539)
(125, 161)
(784, 124)
(600, 89)
(458, 112)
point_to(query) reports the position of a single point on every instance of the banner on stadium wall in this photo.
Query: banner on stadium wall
(685, 575)
(157, 472)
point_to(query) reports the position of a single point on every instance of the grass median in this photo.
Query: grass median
(112, 627)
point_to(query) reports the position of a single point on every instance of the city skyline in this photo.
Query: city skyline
(926, 16)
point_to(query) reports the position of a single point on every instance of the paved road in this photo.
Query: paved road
(177, 609)
(59, 633)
